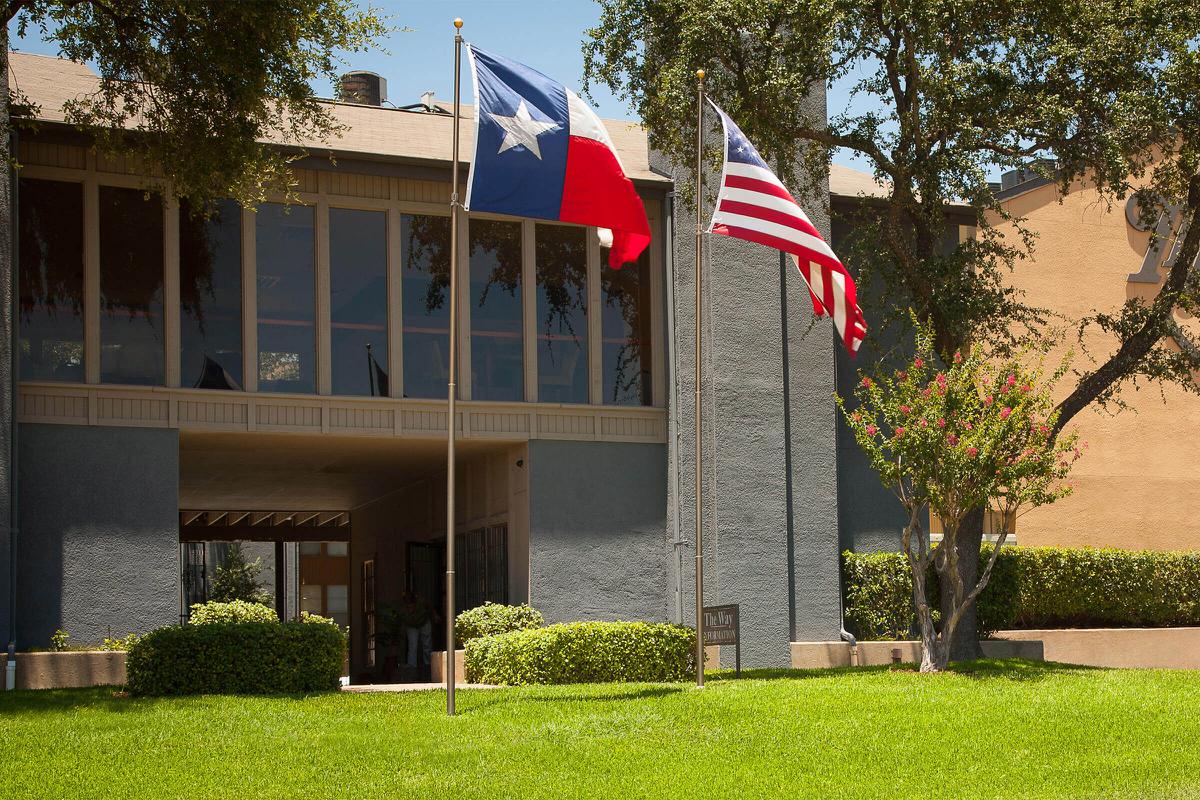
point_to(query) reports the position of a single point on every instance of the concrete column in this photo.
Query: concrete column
(8, 366)
(771, 531)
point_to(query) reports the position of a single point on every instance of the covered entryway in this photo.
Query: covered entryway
(317, 507)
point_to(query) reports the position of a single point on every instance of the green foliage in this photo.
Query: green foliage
(1035, 587)
(201, 84)
(237, 579)
(217, 613)
(584, 652)
(879, 594)
(490, 619)
(120, 644)
(1061, 587)
(237, 658)
(60, 641)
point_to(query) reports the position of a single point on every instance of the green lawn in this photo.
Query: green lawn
(1026, 730)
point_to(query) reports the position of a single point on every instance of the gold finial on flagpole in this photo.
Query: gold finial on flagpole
(700, 74)
(458, 22)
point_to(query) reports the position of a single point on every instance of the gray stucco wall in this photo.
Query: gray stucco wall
(771, 531)
(597, 530)
(6, 360)
(99, 531)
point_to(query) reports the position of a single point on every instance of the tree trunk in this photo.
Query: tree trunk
(964, 644)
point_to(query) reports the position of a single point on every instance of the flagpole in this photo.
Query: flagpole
(452, 373)
(699, 372)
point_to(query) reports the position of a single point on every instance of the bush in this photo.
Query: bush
(879, 594)
(120, 644)
(214, 613)
(237, 658)
(490, 619)
(1088, 587)
(1036, 587)
(584, 652)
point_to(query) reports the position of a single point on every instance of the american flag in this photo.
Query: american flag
(754, 205)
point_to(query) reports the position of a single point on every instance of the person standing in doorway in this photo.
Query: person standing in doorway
(417, 619)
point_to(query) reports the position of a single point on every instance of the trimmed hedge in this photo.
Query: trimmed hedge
(233, 611)
(491, 618)
(1036, 587)
(879, 603)
(238, 658)
(584, 652)
(1088, 587)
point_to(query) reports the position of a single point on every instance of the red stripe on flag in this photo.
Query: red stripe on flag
(756, 185)
(785, 245)
(770, 215)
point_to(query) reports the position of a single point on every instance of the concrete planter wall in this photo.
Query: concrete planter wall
(437, 671)
(1147, 648)
(819, 655)
(70, 670)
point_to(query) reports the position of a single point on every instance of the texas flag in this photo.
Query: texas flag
(541, 152)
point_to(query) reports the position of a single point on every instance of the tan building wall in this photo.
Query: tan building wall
(1138, 485)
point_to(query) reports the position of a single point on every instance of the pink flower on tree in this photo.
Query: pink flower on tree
(866, 382)
(924, 423)
(941, 379)
(871, 429)
(952, 439)
(899, 431)
(1004, 412)
(1012, 380)
(919, 363)
(958, 356)
(941, 423)
(987, 401)
(972, 451)
(856, 416)
(905, 409)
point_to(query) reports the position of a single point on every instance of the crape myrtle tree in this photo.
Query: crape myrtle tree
(1101, 92)
(977, 433)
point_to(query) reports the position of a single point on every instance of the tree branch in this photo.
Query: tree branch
(1124, 362)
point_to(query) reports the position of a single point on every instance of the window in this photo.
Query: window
(337, 549)
(562, 314)
(481, 567)
(210, 296)
(131, 286)
(337, 603)
(358, 301)
(625, 331)
(50, 238)
(426, 255)
(497, 344)
(311, 599)
(286, 298)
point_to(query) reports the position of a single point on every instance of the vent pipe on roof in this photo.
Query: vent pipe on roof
(362, 87)
(427, 99)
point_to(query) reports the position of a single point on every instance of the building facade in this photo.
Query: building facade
(276, 377)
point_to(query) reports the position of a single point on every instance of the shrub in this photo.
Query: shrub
(584, 652)
(120, 644)
(490, 619)
(237, 658)
(1088, 587)
(60, 641)
(1037, 587)
(879, 595)
(237, 579)
(214, 613)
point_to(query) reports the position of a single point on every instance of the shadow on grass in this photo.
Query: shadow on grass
(1012, 669)
(112, 699)
(574, 693)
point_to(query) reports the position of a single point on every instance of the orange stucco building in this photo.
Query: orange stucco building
(1138, 485)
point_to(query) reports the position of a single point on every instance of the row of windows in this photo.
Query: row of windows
(131, 247)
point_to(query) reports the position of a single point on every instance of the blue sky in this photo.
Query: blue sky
(545, 34)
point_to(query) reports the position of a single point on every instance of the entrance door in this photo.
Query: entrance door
(427, 579)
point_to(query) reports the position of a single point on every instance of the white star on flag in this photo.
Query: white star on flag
(522, 129)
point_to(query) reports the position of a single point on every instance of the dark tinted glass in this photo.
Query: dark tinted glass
(562, 314)
(131, 286)
(210, 296)
(625, 321)
(497, 349)
(358, 301)
(426, 255)
(50, 241)
(286, 298)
